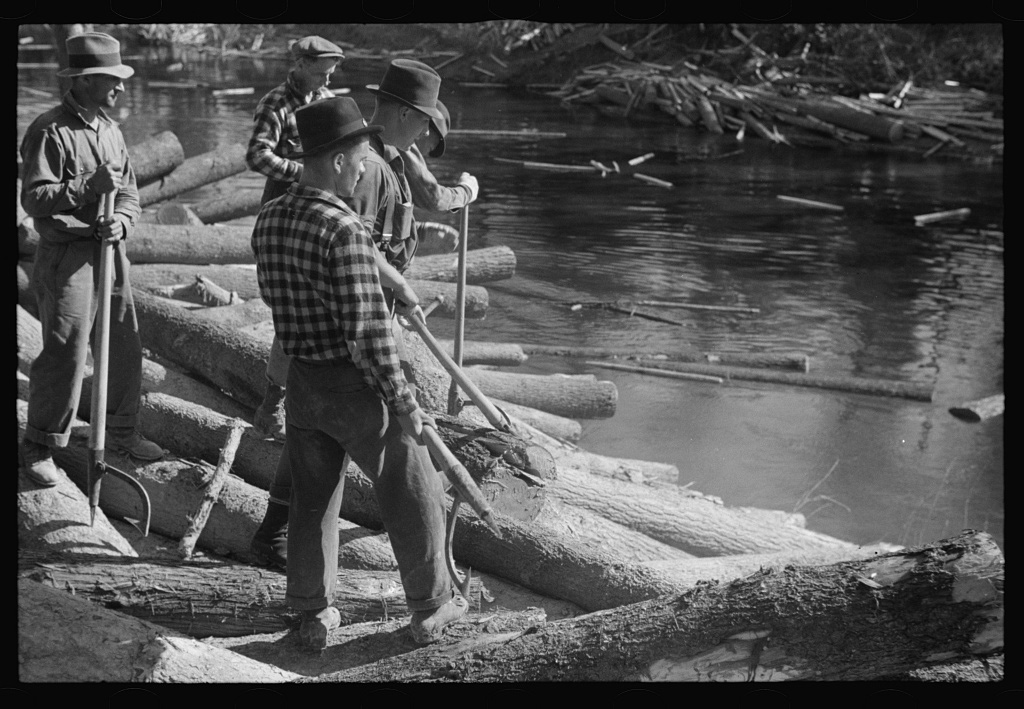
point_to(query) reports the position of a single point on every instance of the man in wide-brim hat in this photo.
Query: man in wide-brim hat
(73, 155)
(317, 270)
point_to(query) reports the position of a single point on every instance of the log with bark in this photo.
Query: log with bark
(215, 597)
(981, 409)
(857, 620)
(491, 263)
(837, 382)
(156, 156)
(798, 361)
(63, 638)
(195, 172)
(563, 396)
(174, 214)
(234, 204)
(242, 280)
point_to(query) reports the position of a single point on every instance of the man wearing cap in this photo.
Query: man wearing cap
(72, 155)
(271, 152)
(317, 270)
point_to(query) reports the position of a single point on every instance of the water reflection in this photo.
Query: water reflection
(863, 291)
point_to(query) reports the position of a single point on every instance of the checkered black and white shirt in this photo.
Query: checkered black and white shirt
(316, 266)
(275, 135)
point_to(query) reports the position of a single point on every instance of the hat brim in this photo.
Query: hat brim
(438, 150)
(121, 71)
(368, 130)
(428, 110)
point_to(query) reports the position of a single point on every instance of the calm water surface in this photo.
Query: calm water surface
(863, 292)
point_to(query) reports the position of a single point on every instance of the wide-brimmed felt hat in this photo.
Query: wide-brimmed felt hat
(441, 126)
(95, 53)
(411, 83)
(329, 121)
(316, 48)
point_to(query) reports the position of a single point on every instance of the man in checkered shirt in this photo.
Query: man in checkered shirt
(317, 270)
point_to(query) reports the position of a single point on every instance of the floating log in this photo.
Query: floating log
(149, 276)
(498, 354)
(658, 372)
(652, 180)
(555, 167)
(492, 263)
(62, 638)
(195, 172)
(810, 202)
(698, 306)
(855, 385)
(488, 133)
(747, 359)
(707, 115)
(979, 410)
(953, 590)
(235, 204)
(920, 219)
(156, 156)
(562, 396)
(851, 119)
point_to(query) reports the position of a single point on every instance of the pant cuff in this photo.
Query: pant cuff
(430, 603)
(306, 604)
(53, 440)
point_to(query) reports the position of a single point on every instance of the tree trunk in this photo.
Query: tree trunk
(243, 281)
(562, 396)
(57, 518)
(492, 263)
(239, 203)
(62, 638)
(156, 156)
(859, 121)
(851, 621)
(796, 361)
(194, 172)
(975, 411)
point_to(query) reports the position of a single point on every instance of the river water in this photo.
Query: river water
(864, 292)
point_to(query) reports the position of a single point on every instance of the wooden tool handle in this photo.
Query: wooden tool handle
(458, 475)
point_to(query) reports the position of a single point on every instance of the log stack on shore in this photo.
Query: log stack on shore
(591, 546)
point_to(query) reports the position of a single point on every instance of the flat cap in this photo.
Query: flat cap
(316, 48)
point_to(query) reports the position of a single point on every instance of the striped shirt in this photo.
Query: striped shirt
(316, 267)
(275, 135)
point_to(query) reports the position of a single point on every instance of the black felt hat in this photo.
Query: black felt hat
(441, 126)
(411, 83)
(329, 121)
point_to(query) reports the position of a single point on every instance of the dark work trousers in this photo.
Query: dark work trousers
(66, 287)
(332, 411)
(277, 373)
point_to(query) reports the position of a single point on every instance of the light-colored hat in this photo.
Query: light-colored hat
(316, 48)
(95, 53)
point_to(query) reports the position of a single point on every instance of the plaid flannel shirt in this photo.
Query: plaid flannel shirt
(275, 135)
(316, 267)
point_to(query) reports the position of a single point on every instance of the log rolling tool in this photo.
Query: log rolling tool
(98, 466)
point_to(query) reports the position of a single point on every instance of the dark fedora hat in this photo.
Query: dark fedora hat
(411, 83)
(95, 53)
(329, 121)
(440, 126)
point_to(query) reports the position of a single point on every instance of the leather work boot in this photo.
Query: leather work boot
(132, 443)
(315, 626)
(37, 462)
(269, 545)
(269, 417)
(428, 626)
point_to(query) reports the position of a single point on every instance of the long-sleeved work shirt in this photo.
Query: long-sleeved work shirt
(60, 153)
(275, 135)
(316, 267)
(427, 192)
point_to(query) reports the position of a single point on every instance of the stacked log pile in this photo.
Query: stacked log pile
(605, 539)
(786, 108)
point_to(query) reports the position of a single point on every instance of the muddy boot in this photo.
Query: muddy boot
(269, 418)
(428, 626)
(269, 545)
(315, 626)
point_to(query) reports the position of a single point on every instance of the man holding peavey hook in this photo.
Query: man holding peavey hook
(318, 270)
(73, 155)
